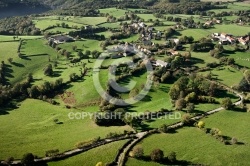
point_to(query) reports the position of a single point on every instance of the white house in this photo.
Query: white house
(161, 63)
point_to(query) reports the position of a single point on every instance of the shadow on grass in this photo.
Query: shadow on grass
(238, 109)
(224, 94)
(166, 161)
(18, 64)
(4, 110)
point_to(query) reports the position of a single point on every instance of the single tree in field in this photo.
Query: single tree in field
(29, 77)
(138, 151)
(157, 155)
(74, 48)
(10, 60)
(48, 71)
(227, 103)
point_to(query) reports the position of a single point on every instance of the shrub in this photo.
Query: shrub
(157, 155)
(201, 124)
(112, 135)
(138, 151)
(81, 145)
(163, 128)
(28, 159)
(52, 153)
(172, 157)
(234, 140)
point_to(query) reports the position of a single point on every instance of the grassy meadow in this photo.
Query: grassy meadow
(33, 129)
(203, 148)
(105, 153)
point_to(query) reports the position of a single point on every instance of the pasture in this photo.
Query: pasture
(105, 153)
(113, 11)
(86, 20)
(45, 23)
(8, 50)
(35, 56)
(203, 148)
(33, 129)
(5, 38)
(227, 75)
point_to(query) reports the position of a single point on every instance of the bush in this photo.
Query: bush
(28, 159)
(83, 144)
(138, 151)
(234, 140)
(172, 157)
(157, 155)
(163, 128)
(52, 153)
(201, 124)
(227, 103)
(112, 135)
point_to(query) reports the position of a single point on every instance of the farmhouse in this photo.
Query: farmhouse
(223, 38)
(208, 23)
(161, 63)
(61, 39)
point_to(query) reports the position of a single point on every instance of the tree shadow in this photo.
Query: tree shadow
(196, 61)
(238, 109)
(34, 55)
(4, 110)
(146, 98)
(57, 73)
(18, 64)
(25, 58)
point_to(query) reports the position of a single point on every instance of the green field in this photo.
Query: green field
(201, 58)
(105, 153)
(33, 129)
(45, 23)
(241, 58)
(4, 38)
(110, 25)
(195, 33)
(146, 17)
(228, 75)
(8, 50)
(87, 20)
(194, 145)
(233, 29)
(113, 11)
(236, 6)
(59, 30)
(35, 58)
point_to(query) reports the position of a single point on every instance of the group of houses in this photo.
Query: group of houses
(225, 38)
(59, 39)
